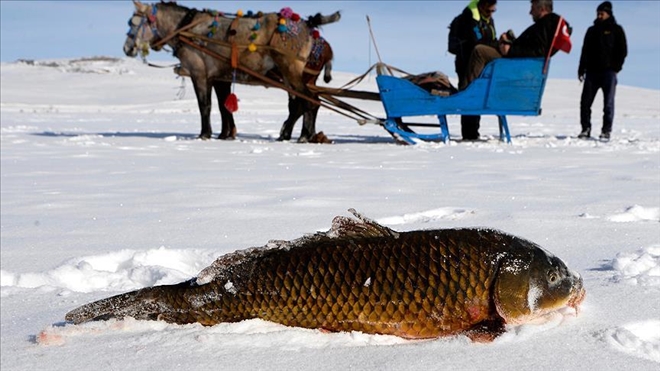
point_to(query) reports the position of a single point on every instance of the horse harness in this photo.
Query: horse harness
(183, 36)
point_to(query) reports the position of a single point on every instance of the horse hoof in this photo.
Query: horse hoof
(320, 138)
(283, 139)
(204, 136)
(226, 137)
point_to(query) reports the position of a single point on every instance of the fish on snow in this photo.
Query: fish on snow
(362, 276)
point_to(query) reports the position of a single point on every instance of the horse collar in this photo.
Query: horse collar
(187, 18)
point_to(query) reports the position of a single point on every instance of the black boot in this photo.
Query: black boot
(585, 134)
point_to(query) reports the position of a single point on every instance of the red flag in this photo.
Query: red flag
(562, 39)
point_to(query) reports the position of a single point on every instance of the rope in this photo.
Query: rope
(242, 46)
(373, 39)
(176, 32)
(371, 33)
(325, 100)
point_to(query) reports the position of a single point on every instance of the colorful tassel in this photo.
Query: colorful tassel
(286, 12)
(231, 103)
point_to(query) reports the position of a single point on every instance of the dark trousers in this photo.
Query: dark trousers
(470, 127)
(469, 124)
(481, 55)
(593, 81)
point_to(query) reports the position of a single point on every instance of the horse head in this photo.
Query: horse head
(142, 30)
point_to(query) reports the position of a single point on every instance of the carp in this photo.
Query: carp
(362, 276)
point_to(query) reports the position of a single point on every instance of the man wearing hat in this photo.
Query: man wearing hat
(603, 53)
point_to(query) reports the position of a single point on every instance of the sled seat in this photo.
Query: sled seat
(506, 86)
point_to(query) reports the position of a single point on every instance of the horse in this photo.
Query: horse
(238, 49)
(320, 59)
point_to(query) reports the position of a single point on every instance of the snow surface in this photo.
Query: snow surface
(106, 189)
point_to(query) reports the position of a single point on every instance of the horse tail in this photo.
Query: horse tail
(319, 19)
(327, 72)
(327, 65)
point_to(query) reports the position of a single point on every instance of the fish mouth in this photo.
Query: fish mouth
(577, 296)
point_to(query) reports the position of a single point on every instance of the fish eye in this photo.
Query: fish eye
(553, 277)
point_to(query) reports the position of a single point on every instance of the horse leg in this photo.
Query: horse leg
(294, 114)
(222, 91)
(309, 121)
(203, 93)
(310, 116)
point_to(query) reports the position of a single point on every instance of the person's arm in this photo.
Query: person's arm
(582, 67)
(504, 45)
(620, 49)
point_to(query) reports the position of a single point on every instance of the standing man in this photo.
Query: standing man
(473, 26)
(603, 53)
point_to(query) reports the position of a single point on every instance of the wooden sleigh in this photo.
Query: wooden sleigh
(506, 86)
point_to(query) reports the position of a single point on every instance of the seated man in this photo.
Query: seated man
(535, 41)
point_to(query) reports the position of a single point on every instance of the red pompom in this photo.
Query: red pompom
(231, 103)
(295, 17)
(316, 34)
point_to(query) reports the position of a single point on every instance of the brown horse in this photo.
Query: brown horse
(319, 59)
(260, 43)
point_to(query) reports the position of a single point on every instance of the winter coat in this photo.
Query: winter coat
(605, 47)
(472, 29)
(536, 40)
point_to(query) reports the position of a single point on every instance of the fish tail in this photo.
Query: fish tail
(150, 303)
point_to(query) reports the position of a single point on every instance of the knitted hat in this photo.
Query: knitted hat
(606, 7)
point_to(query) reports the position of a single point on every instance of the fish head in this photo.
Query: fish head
(532, 282)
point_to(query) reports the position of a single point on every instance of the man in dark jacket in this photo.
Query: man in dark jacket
(535, 41)
(475, 25)
(603, 53)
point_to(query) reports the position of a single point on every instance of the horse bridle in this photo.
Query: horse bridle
(137, 24)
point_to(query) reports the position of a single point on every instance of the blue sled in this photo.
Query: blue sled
(507, 86)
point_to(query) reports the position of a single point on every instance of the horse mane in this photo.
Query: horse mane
(312, 21)
(172, 5)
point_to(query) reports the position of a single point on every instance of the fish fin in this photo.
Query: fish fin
(220, 266)
(145, 304)
(360, 226)
(113, 307)
(486, 331)
(342, 228)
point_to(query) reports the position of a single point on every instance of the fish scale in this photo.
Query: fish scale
(402, 290)
(361, 276)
